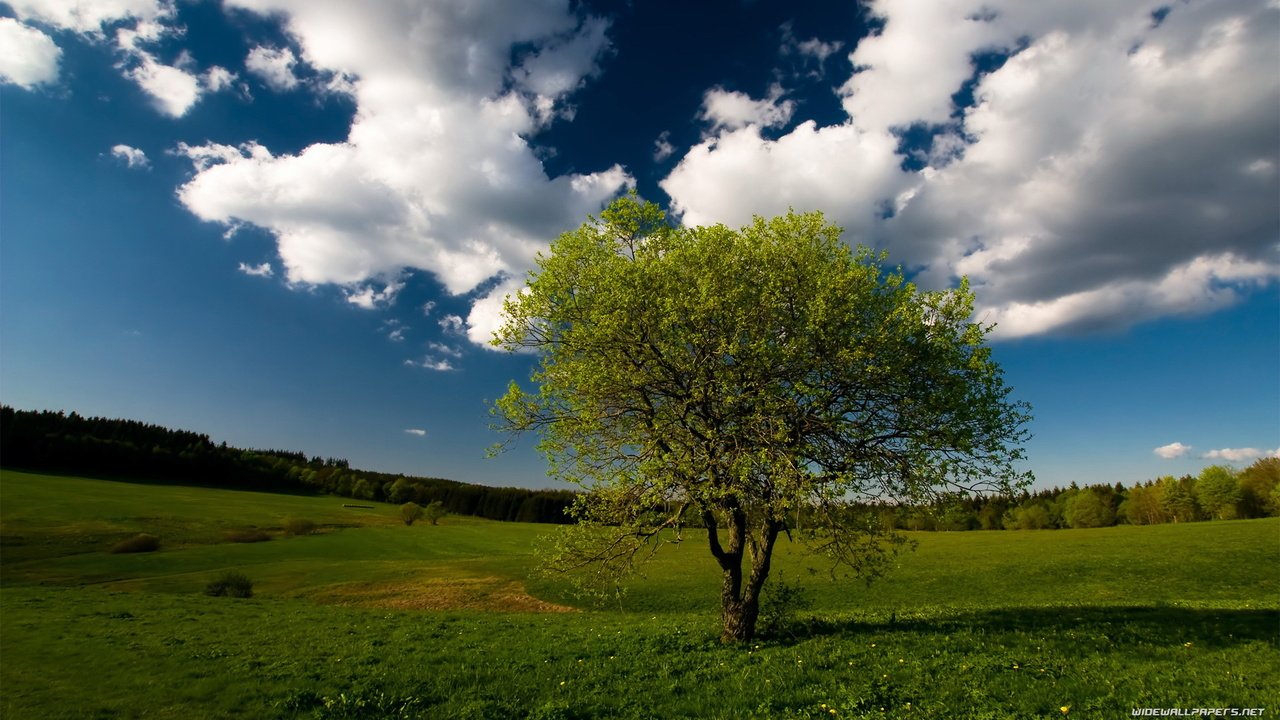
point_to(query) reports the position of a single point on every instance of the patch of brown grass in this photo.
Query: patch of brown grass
(247, 536)
(489, 594)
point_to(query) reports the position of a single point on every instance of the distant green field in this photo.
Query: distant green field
(369, 618)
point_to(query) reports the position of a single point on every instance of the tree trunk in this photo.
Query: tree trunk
(739, 600)
(740, 621)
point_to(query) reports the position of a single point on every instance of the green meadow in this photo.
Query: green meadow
(368, 618)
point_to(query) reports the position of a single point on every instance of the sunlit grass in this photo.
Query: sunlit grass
(370, 618)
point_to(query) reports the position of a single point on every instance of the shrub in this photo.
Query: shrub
(142, 542)
(247, 536)
(780, 604)
(299, 526)
(231, 584)
(409, 512)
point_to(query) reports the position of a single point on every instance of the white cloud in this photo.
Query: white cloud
(30, 57)
(416, 431)
(217, 79)
(206, 156)
(732, 110)
(1204, 284)
(486, 313)
(260, 270)
(173, 90)
(1172, 450)
(138, 26)
(369, 299)
(1240, 454)
(274, 66)
(561, 66)
(817, 49)
(442, 349)
(662, 147)
(90, 17)
(452, 324)
(908, 72)
(1113, 170)
(427, 307)
(431, 363)
(131, 156)
(842, 169)
(435, 172)
(811, 48)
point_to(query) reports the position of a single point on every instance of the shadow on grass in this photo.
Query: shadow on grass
(1205, 627)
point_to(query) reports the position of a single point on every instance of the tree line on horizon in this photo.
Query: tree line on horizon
(1218, 492)
(48, 441)
(69, 443)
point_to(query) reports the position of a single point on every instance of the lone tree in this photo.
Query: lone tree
(434, 511)
(743, 379)
(411, 512)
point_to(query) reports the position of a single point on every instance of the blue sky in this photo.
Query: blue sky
(290, 223)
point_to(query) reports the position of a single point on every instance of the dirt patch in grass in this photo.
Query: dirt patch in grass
(489, 594)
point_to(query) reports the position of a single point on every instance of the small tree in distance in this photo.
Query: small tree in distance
(742, 377)
(435, 511)
(411, 512)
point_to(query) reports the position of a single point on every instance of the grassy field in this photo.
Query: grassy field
(369, 618)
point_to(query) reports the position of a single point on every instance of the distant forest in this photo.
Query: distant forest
(1218, 492)
(99, 447)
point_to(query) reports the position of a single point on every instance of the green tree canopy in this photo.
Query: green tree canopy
(1218, 491)
(1177, 500)
(1086, 509)
(1258, 483)
(740, 376)
(1143, 507)
(410, 513)
(434, 512)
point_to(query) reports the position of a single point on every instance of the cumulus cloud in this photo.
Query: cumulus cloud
(731, 110)
(561, 66)
(435, 172)
(90, 17)
(138, 25)
(173, 90)
(416, 431)
(842, 169)
(274, 66)
(1106, 164)
(131, 156)
(30, 57)
(1240, 454)
(1172, 450)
